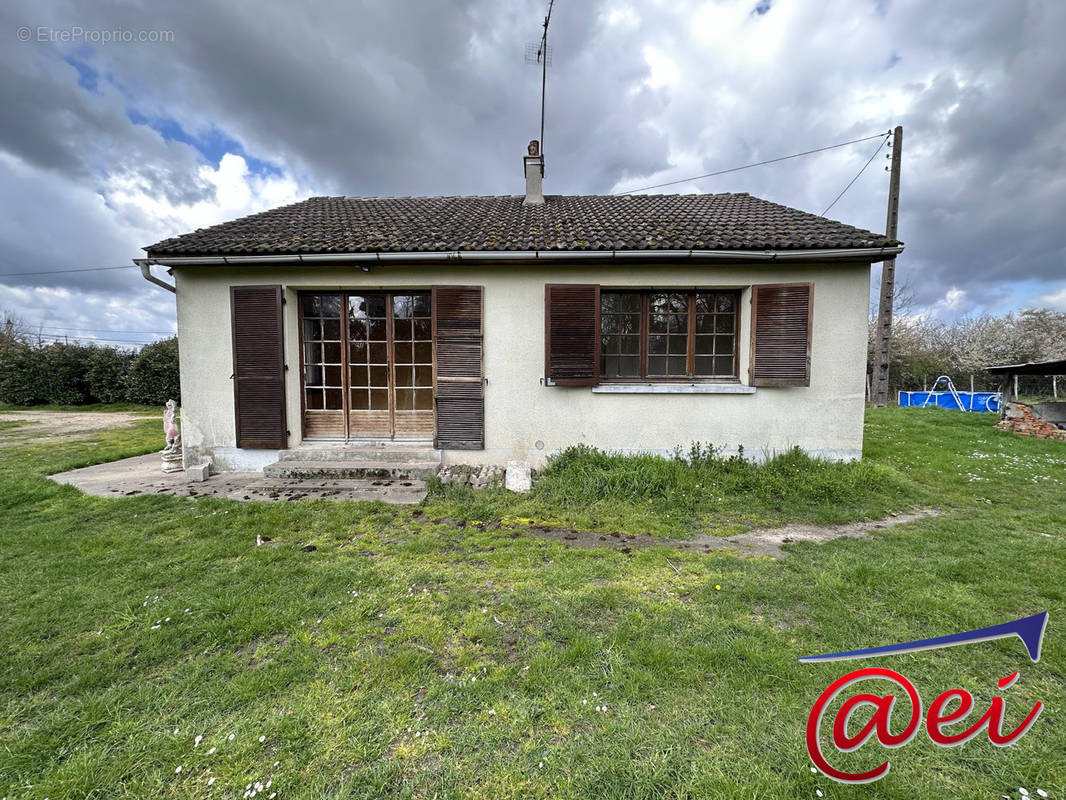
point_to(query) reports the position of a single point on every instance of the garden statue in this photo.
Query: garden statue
(172, 459)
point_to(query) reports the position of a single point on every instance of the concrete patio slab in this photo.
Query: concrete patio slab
(142, 475)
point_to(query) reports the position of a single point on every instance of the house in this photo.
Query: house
(508, 328)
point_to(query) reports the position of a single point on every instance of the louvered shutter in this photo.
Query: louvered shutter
(781, 316)
(457, 349)
(258, 366)
(572, 334)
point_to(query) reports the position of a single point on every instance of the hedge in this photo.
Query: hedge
(77, 374)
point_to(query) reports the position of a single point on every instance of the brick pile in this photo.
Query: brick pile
(1021, 419)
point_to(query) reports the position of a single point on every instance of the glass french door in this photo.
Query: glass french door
(367, 365)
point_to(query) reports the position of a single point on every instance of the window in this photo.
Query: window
(668, 335)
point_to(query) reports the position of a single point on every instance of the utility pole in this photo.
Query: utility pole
(883, 332)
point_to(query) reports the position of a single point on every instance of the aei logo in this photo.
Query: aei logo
(1029, 629)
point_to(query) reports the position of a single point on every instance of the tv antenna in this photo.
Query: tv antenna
(539, 54)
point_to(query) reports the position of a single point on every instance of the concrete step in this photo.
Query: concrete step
(361, 469)
(351, 453)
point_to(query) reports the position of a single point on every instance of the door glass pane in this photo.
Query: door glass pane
(676, 365)
(357, 353)
(359, 377)
(313, 398)
(423, 352)
(656, 365)
(379, 376)
(333, 399)
(379, 399)
(360, 399)
(405, 400)
(424, 376)
(424, 399)
(404, 375)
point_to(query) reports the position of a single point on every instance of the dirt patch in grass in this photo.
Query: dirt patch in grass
(755, 542)
(43, 426)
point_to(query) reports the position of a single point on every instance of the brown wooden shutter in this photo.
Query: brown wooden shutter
(258, 366)
(572, 334)
(457, 364)
(781, 317)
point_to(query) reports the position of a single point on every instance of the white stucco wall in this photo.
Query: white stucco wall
(825, 418)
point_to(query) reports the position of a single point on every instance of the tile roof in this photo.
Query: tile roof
(595, 222)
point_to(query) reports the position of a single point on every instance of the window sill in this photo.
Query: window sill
(672, 388)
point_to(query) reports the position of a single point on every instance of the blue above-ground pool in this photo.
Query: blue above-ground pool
(971, 401)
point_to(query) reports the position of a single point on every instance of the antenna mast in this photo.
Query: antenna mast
(542, 56)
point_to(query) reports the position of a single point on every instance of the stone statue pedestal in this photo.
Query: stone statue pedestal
(172, 460)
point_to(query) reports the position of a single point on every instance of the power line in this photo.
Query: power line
(56, 337)
(62, 271)
(864, 166)
(756, 164)
(97, 330)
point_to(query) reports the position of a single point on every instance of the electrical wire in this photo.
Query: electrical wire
(756, 164)
(55, 338)
(95, 330)
(62, 271)
(864, 166)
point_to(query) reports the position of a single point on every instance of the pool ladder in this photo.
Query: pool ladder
(949, 387)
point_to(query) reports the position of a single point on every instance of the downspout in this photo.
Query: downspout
(146, 272)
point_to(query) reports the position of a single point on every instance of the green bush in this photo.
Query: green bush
(106, 369)
(76, 374)
(152, 378)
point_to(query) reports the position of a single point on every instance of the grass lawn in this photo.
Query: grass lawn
(414, 653)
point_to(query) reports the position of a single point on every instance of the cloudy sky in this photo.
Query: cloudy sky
(125, 122)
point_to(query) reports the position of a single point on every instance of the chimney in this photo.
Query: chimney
(534, 164)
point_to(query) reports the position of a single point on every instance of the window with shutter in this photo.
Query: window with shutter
(781, 321)
(572, 334)
(457, 340)
(258, 366)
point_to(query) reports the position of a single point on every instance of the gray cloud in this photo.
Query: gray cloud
(370, 98)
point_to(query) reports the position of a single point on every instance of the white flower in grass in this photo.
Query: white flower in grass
(211, 781)
(597, 708)
(1041, 792)
(814, 770)
(177, 770)
(211, 752)
(262, 739)
(277, 764)
(175, 731)
(1023, 791)
(155, 627)
(540, 765)
(818, 793)
(492, 712)
(230, 738)
(167, 619)
(584, 701)
(196, 742)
